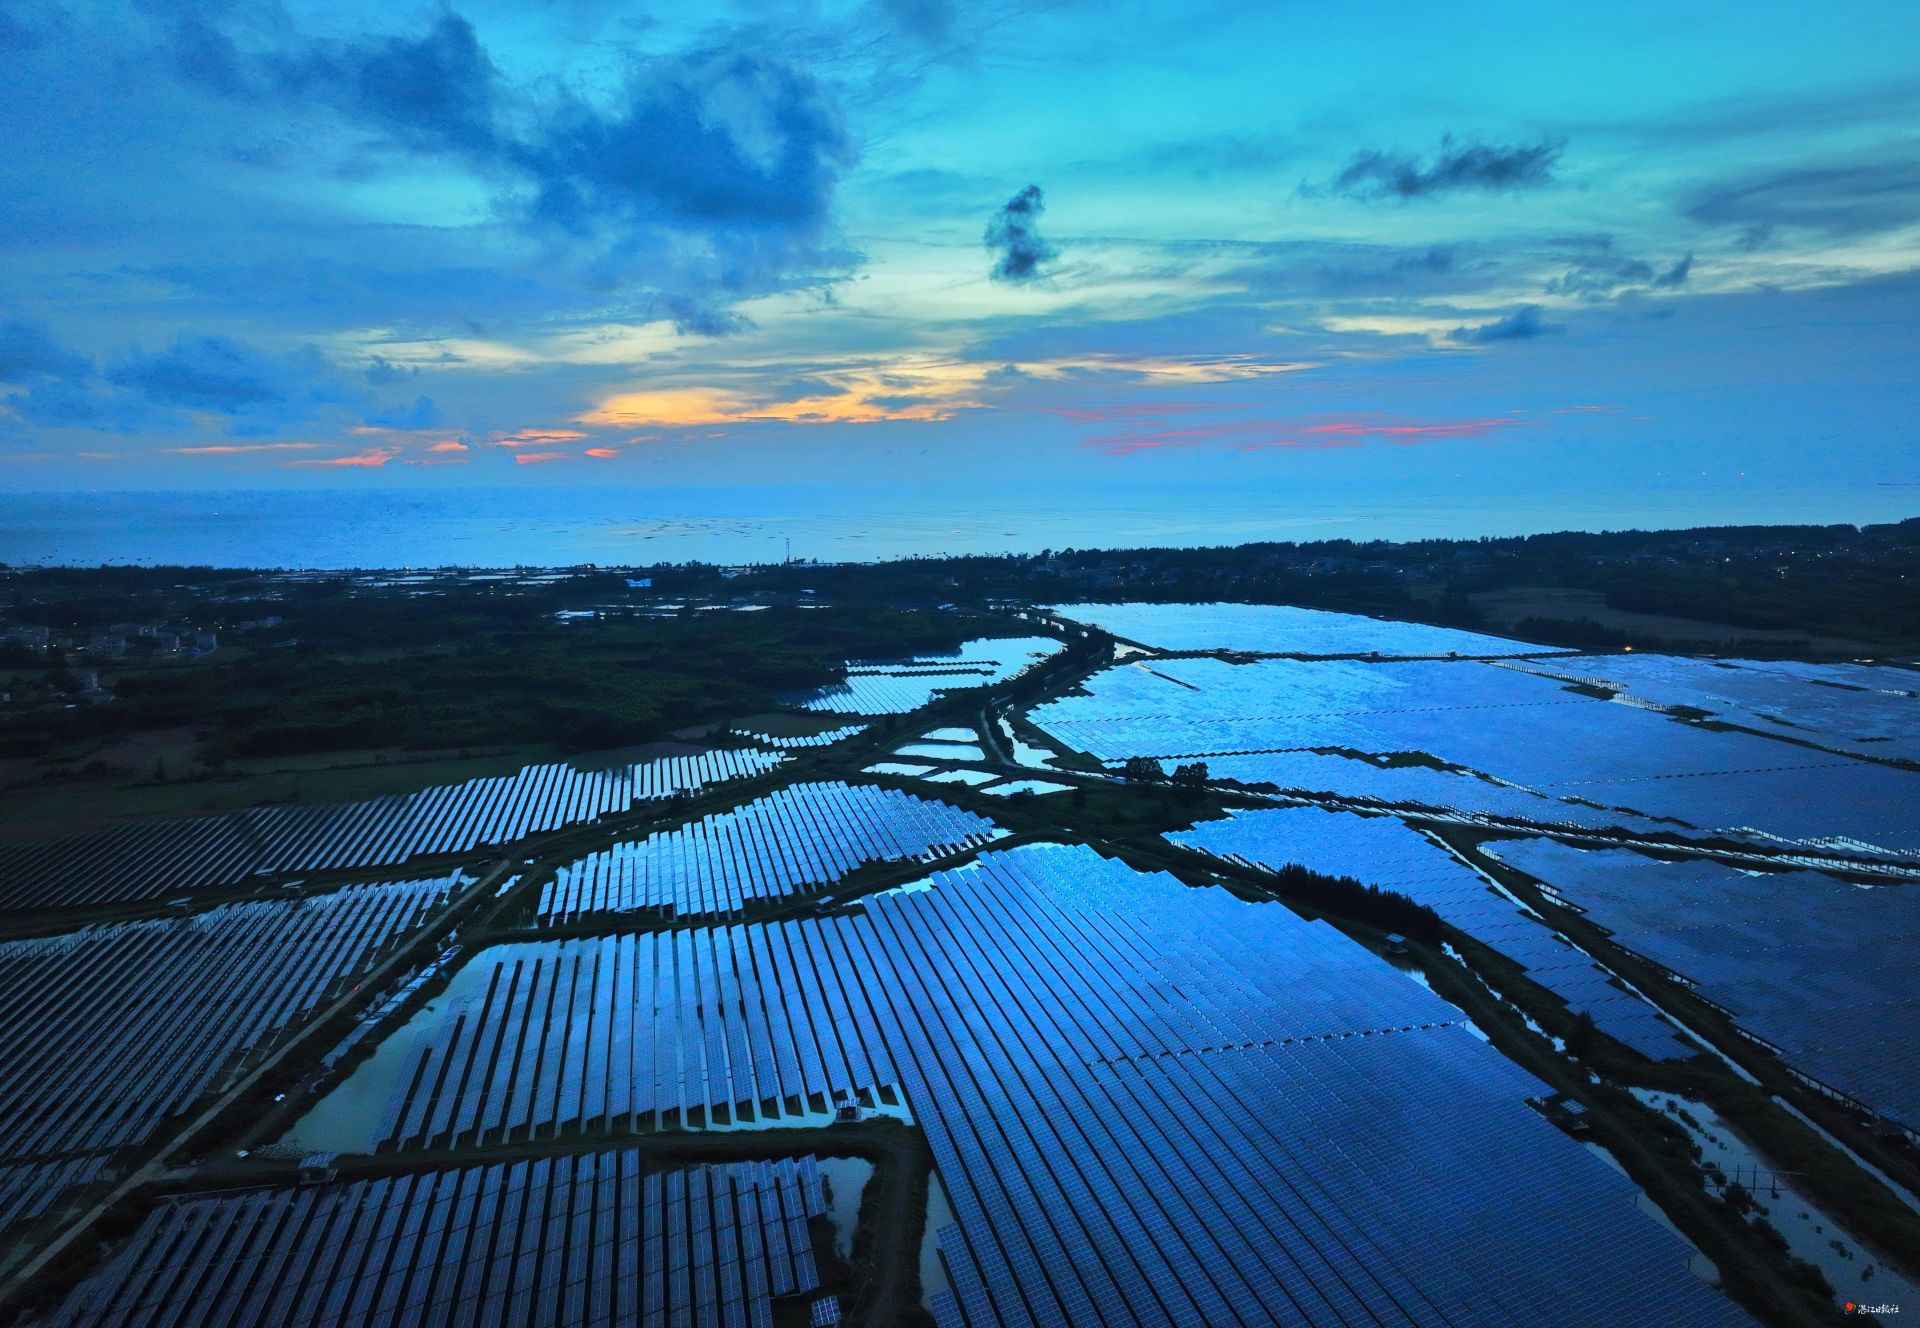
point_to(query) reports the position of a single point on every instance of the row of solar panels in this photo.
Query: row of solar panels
(790, 741)
(1819, 968)
(1147, 1103)
(107, 1032)
(898, 686)
(582, 1241)
(1379, 850)
(150, 859)
(802, 838)
(1519, 727)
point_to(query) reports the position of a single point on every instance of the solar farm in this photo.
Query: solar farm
(1829, 993)
(150, 860)
(595, 1238)
(1522, 729)
(799, 840)
(1092, 1133)
(882, 1013)
(1281, 629)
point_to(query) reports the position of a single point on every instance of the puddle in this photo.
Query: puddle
(846, 1183)
(1855, 1272)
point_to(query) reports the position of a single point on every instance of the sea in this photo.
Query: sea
(743, 524)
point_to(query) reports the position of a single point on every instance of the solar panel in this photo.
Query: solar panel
(1144, 1100)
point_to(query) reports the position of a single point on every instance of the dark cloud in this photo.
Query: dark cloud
(382, 371)
(422, 414)
(1676, 276)
(1014, 236)
(1597, 272)
(692, 317)
(430, 92)
(1523, 324)
(930, 21)
(1858, 198)
(1458, 165)
(15, 35)
(707, 178)
(1362, 270)
(228, 377)
(717, 138)
(28, 350)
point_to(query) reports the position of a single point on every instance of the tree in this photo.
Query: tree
(1194, 772)
(1580, 1036)
(1143, 767)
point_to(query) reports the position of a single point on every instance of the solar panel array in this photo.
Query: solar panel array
(1148, 1103)
(1474, 797)
(106, 1032)
(1872, 711)
(1378, 850)
(150, 859)
(1820, 968)
(801, 839)
(893, 687)
(1282, 629)
(579, 1241)
(792, 741)
(28, 1189)
(1516, 726)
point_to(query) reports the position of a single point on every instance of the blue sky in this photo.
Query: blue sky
(1384, 248)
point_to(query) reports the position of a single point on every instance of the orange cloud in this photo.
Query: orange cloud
(679, 408)
(603, 453)
(536, 458)
(451, 445)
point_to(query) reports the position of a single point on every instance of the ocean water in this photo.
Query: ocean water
(624, 526)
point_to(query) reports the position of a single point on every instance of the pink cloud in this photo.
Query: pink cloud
(604, 453)
(1138, 410)
(236, 449)
(538, 438)
(371, 459)
(451, 445)
(537, 458)
(1308, 434)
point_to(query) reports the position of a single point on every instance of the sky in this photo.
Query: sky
(1384, 249)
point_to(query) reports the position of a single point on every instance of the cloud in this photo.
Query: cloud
(422, 414)
(1458, 165)
(1849, 198)
(1310, 434)
(706, 177)
(1014, 235)
(929, 21)
(539, 458)
(602, 453)
(1601, 275)
(538, 437)
(240, 449)
(449, 445)
(371, 459)
(219, 374)
(433, 92)
(28, 350)
(382, 371)
(1676, 276)
(1523, 324)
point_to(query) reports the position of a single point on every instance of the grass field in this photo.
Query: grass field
(1508, 607)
